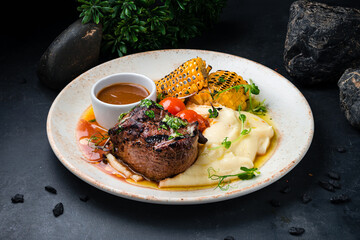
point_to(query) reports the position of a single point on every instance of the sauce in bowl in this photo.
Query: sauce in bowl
(123, 93)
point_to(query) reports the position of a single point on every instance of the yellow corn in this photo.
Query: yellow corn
(217, 82)
(188, 78)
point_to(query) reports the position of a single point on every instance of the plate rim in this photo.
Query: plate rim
(175, 200)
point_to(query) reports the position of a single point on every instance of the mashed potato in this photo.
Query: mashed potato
(224, 161)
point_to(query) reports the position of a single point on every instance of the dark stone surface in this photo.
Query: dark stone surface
(73, 52)
(252, 29)
(321, 42)
(349, 86)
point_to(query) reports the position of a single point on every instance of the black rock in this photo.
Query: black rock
(296, 231)
(50, 189)
(341, 149)
(321, 42)
(306, 198)
(286, 189)
(335, 183)
(73, 52)
(58, 209)
(326, 185)
(229, 238)
(84, 198)
(349, 86)
(333, 175)
(342, 198)
(18, 198)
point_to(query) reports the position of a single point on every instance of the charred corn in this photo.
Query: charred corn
(187, 79)
(218, 82)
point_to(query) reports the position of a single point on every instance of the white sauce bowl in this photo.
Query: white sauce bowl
(107, 114)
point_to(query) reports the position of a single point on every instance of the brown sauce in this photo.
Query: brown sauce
(123, 93)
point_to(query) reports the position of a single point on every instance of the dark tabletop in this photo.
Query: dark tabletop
(251, 29)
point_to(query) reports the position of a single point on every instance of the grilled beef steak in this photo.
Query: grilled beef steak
(154, 143)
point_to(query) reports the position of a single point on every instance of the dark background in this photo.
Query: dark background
(251, 29)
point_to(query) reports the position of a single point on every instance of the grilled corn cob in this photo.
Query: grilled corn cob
(188, 78)
(220, 81)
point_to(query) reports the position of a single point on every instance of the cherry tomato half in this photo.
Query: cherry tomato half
(192, 116)
(173, 105)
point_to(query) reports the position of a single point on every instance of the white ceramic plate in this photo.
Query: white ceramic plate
(287, 107)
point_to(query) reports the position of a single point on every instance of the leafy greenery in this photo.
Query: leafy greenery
(139, 25)
(248, 173)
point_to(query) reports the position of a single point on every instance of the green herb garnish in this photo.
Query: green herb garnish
(150, 113)
(146, 103)
(260, 109)
(160, 96)
(122, 115)
(175, 135)
(92, 120)
(119, 129)
(226, 143)
(159, 106)
(162, 126)
(97, 139)
(174, 122)
(213, 113)
(248, 173)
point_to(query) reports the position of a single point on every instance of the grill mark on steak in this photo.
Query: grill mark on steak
(146, 147)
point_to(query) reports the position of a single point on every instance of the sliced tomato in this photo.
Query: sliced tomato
(173, 105)
(192, 116)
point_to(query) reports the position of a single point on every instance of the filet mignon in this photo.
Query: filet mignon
(154, 143)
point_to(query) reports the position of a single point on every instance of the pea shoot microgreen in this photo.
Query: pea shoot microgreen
(260, 109)
(226, 143)
(223, 180)
(213, 112)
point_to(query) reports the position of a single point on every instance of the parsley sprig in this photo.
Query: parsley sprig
(223, 182)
